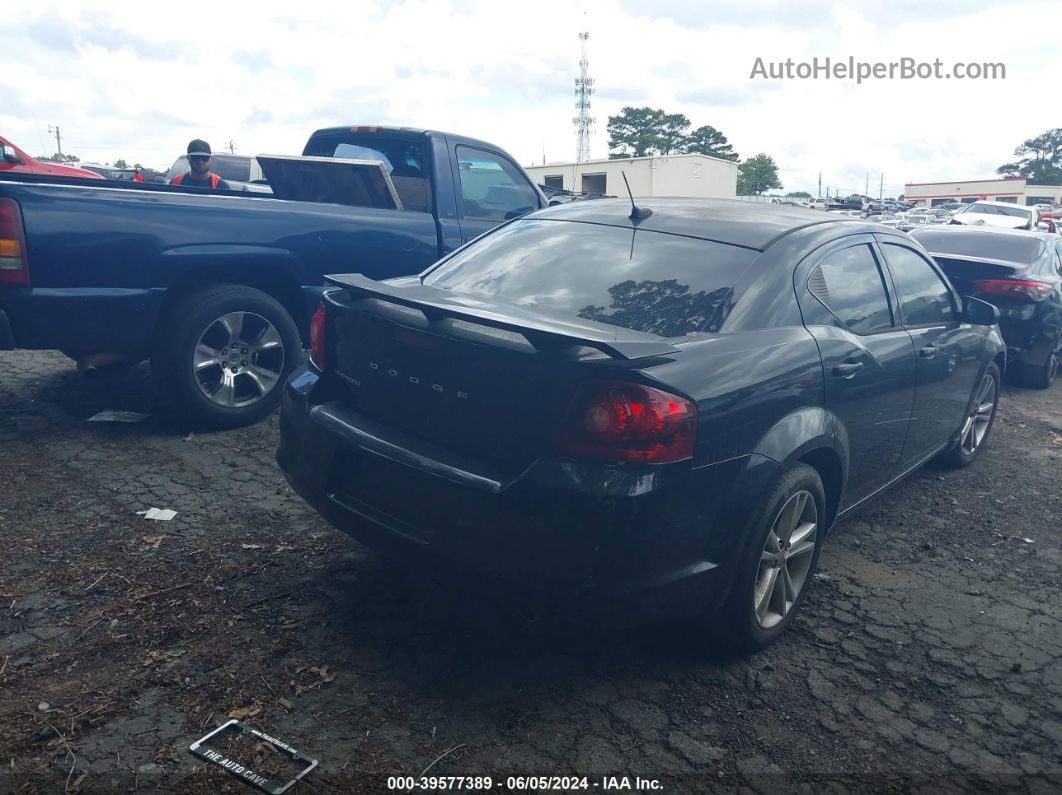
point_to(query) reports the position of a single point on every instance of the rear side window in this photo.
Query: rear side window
(234, 168)
(924, 298)
(995, 209)
(647, 281)
(849, 282)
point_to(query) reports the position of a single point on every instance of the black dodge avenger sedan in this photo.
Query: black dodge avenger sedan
(656, 412)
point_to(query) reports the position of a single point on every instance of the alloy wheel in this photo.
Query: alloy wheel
(238, 359)
(785, 562)
(976, 426)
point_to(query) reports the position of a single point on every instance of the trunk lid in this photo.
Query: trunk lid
(470, 376)
(964, 272)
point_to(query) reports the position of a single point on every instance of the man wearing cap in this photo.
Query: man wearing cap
(200, 175)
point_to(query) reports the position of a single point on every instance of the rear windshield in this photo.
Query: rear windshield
(227, 167)
(995, 209)
(1022, 248)
(646, 281)
(397, 154)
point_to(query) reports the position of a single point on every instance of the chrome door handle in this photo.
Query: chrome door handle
(928, 352)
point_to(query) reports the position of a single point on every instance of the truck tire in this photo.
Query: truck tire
(222, 355)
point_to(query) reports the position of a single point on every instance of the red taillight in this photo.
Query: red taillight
(1015, 288)
(317, 339)
(13, 266)
(619, 421)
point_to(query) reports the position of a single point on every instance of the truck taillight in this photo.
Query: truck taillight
(13, 266)
(1015, 288)
(620, 421)
(317, 339)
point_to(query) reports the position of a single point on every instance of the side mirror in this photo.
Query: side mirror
(10, 155)
(978, 312)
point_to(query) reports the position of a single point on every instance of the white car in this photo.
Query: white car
(816, 204)
(999, 214)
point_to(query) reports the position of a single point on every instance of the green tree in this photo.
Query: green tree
(60, 158)
(1039, 159)
(120, 163)
(638, 132)
(798, 194)
(707, 140)
(757, 174)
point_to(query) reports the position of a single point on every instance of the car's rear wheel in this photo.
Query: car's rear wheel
(223, 354)
(776, 567)
(978, 423)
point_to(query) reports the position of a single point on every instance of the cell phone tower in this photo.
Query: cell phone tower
(584, 87)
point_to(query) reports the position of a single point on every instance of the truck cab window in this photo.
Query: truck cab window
(491, 186)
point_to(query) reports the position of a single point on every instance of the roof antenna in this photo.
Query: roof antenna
(637, 213)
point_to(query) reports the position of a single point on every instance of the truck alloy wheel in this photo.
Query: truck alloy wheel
(239, 359)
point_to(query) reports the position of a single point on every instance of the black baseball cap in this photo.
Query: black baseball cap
(198, 147)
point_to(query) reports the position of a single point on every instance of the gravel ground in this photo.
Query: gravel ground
(926, 658)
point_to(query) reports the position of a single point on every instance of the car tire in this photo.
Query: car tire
(774, 572)
(981, 416)
(222, 355)
(1042, 376)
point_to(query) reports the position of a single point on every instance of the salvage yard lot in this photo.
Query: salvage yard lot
(929, 648)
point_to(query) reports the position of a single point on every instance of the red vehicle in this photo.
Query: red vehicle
(16, 161)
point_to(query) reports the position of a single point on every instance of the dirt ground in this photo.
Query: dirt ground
(926, 657)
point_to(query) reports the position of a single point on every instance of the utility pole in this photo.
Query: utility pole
(232, 147)
(866, 186)
(820, 184)
(58, 139)
(881, 186)
(584, 87)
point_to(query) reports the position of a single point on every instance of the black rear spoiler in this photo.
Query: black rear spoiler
(543, 333)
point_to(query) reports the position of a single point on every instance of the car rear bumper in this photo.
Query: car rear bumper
(1029, 341)
(627, 544)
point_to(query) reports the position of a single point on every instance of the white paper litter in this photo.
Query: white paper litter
(1028, 541)
(118, 416)
(160, 514)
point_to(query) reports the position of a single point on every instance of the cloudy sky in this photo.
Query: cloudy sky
(138, 79)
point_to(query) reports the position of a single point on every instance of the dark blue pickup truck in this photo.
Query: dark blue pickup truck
(217, 287)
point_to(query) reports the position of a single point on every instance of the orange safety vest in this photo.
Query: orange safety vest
(214, 179)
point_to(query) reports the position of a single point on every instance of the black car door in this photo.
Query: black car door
(947, 350)
(867, 358)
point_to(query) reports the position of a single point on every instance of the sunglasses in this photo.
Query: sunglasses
(199, 158)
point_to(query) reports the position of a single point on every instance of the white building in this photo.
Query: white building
(691, 176)
(1004, 189)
